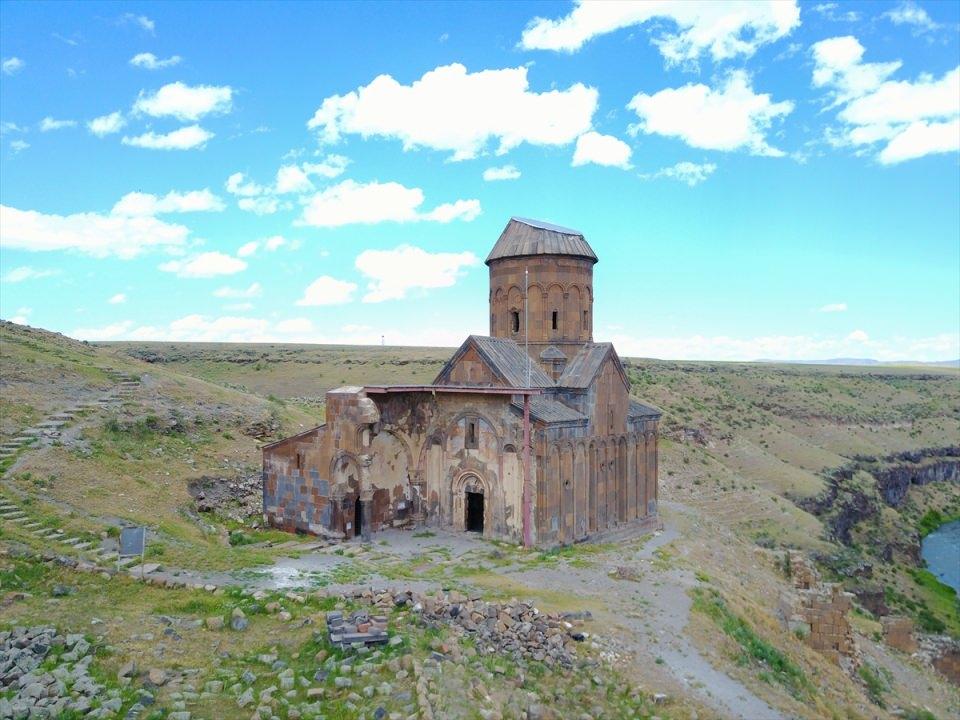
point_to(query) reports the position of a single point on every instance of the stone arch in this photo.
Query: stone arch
(580, 490)
(552, 503)
(611, 481)
(497, 317)
(567, 515)
(572, 319)
(535, 310)
(471, 480)
(554, 305)
(469, 412)
(602, 490)
(622, 493)
(514, 305)
(592, 456)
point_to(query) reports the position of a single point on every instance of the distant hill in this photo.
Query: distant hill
(865, 361)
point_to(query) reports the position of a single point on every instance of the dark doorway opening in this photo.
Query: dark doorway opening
(357, 518)
(474, 512)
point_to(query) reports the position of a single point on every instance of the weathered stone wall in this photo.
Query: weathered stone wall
(556, 284)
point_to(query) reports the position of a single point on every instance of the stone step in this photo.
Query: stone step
(52, 424)
(108, 556)
(32, 525)
(32, 432)
(53, 534)
(21, 519)
(146, 567)
(70, 540)
(7, 506)
(82, 545)
(124, 562)
(12, 514)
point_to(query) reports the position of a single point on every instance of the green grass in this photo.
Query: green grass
(942, 606)
(875, 684)
(771, 663)
(933, 519)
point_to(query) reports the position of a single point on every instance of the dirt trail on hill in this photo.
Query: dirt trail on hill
(648, 617)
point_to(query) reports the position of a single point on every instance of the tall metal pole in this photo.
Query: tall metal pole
(526, 319)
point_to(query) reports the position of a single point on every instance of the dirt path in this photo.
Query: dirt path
(648, 617)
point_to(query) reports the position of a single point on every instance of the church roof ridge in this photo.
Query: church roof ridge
(523, 237)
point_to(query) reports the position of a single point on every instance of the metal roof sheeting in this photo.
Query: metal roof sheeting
(583, 367)
(523, 238)
(638, 410)
(510, 361)
(551, 411)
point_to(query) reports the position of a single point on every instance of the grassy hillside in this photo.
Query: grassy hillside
(755, 458)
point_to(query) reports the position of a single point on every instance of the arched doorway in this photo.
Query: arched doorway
(357, 517)
(473, 522)
(471, 498)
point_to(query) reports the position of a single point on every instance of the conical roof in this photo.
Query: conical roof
(524, 238)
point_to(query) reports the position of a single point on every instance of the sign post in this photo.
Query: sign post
(133, 541)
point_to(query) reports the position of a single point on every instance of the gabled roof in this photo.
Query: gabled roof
(523, 238)
(505, 358)
(637, 409)
(553, 353)
(582, 369)
(550, 411)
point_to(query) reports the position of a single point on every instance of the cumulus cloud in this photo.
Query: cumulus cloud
(265, 205)
(724, 28)
(186, 138)
(107, 124)
(911, 119)
(205, 265)
(454, 110)
(12, 65)
(909, 13)
(237, 184)
(858, 336)
(592, 147)
(25, 272)
(350, 202)
(254, 290)
(686, 172)
(296, 178)
(326, 290)
(118, 299)
(138, 203)
(48, 124)
(834, 308)
(271, 244)
(248, 249)
(113, 331)
(185, 102)
(731, 117)
(391, 274)
(19, 145)
(832, 12)
(504, 172)
(149, 61)
(89, 233)
(141, 21)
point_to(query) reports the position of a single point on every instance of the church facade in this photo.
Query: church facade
(528, 435)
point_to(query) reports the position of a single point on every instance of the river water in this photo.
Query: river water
(941, 550)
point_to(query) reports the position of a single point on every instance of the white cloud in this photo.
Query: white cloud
(392, 273)
(138, 203)
(113, 331)
(143, 21)
(89, 233)
(326, 290)
(248, 249)
(19, 145)
(919, 139)
(788, 347)
(296, 178)
(834, 307)
(48, 124)
(452, 109)
(185, 102)
(505, 172)
(909, 13)
(350, 202)
(724, 28)
(185, 138)
(118, 299)
(237, 185)
(729, 118)
(107, 124)
(831, 11)
(592, 147)
(12, 65)
(10, 127)
(294, 326)
(205, 265)
(254, 290)
(913, 119)
(261, 205)
(274, 242)
(686, 172)
(149, 61)
(25, 272)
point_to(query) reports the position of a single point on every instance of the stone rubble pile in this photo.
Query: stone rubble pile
(236, 498)
(356, 630)
(26, 690)
(513, 629)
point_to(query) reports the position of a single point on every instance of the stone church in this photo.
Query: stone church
(527, 435)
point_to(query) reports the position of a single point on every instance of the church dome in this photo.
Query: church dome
(525, 238)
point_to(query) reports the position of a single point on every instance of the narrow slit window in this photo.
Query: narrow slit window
(554, 317)
(471, 440)
(585, 320)
(515, 320)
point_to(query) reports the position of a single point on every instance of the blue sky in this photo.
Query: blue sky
(759, 180)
